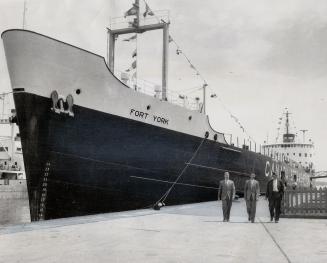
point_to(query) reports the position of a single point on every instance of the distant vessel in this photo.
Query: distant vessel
(11, 155)
(92, 144)
(291, 149)
(12, 174)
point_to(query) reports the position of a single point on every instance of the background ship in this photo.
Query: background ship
(12, 174)
(291, 148)
(93, 144)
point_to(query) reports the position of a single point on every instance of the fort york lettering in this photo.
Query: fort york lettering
(145, 116)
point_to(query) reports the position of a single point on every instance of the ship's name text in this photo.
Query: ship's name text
(145, 116)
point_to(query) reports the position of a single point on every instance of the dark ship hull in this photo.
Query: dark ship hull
(98, 161)
(101, 163)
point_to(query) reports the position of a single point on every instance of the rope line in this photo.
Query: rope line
(169, 182)
(217, 169)
(6, 93)
(104, 162)
(205, 83)
(165, 195)
(136, 177)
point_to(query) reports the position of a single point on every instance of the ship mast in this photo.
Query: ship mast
(288, 137)
(24, 14)
(287, 122)
(303, 131)
(137, 28)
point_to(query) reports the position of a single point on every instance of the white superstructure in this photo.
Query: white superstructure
(11, 154)
(292, 149)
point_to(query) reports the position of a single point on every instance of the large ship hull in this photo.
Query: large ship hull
(102, 157)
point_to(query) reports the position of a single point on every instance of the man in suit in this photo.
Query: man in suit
(274, 194)
(226, 193)
(251, 196)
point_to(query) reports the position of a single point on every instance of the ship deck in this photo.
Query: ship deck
(185, 233)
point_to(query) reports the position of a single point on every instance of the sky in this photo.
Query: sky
(257, 56)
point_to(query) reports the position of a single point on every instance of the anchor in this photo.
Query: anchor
(60, 105)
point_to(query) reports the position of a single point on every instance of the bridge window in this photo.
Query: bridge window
(300, 155)
(3, 149)
(305, 155)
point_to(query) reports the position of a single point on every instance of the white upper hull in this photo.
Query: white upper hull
(41, 65)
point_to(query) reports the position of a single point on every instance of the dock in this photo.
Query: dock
(185, 233)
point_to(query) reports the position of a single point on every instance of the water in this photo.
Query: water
(14, 211)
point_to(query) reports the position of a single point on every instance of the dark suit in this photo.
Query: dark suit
(226, 193)
(251, 196)
(275, 198)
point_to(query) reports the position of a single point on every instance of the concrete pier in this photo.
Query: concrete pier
(13, 189)
(186, 233)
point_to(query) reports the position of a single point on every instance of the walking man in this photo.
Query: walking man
(274, 193)
(251, 196)
(226, 193)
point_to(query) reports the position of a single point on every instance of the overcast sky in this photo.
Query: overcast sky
(258, 56)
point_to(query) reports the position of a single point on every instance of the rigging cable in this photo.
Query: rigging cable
(179, 51)
(161, 200)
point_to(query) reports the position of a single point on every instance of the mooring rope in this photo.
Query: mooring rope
(165, 195)
(218, 169)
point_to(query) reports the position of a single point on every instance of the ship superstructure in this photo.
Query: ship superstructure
(11, 155)
(291, 148)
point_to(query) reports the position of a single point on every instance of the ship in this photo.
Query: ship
(11, 155)
(291, 147)
(94, 144)
(12, 174)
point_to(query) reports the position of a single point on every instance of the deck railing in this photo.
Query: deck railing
(302, 203)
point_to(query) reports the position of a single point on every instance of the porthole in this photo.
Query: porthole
(148, 107)
(78, 91)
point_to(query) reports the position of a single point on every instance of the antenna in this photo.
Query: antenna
(2, 97)
(24, 14)
(304, 131)
(267, 140)
(204, 96)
